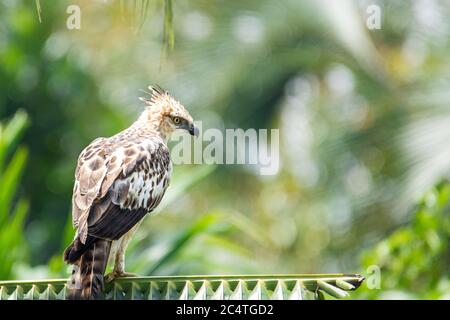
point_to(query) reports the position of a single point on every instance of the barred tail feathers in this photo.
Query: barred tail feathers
(87, 280)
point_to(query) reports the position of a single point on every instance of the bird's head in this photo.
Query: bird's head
(165, 114)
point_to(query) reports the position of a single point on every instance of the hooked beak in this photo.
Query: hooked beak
(193, 130)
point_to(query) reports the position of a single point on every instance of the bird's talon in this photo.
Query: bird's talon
(116, 274)
(127, 274)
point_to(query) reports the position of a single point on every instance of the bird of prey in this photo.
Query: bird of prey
(118, 180)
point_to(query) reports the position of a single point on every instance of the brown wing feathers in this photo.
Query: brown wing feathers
(100, 211)
(114, 222)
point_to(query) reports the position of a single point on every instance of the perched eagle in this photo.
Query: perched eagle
(118, 180)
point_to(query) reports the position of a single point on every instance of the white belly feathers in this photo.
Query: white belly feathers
(146, 186)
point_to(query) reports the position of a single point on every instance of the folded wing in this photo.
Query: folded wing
(116, 186)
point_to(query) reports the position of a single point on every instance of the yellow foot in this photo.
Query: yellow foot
(118, 274)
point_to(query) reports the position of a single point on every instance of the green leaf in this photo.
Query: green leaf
(196, 229)
(10, 134)
(38, 9)
(184, 180)
(169, 34)
(12, 248)
(240, 287)
(9, 181)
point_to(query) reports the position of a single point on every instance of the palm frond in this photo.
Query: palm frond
(236, 287)
(39, 10)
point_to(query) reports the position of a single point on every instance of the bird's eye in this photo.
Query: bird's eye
(176, 120)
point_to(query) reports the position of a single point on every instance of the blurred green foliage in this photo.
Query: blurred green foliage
(13, 210)
(363, 118)
(414, 259)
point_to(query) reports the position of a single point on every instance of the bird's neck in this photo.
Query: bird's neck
(151, 123)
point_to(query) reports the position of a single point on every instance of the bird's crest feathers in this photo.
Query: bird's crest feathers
(161, 104)
(156, 95)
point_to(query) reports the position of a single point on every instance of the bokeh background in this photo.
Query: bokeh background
(364, 121)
